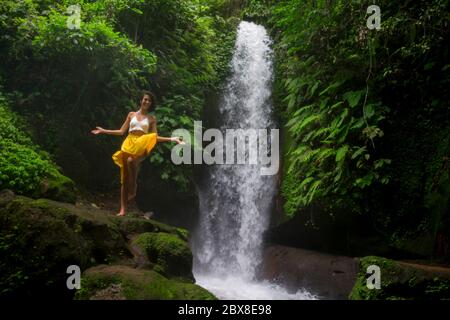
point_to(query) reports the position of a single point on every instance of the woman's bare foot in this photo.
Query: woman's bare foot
(121, 213)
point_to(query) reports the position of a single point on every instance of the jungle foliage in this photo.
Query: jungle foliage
(66, 81)
(366, 111)
(25, 167)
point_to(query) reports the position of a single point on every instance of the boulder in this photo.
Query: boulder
(118, 282)
(41, 238)
(170, 253)
(402, 281)
(324, 275)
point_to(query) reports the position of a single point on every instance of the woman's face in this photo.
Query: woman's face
(146, 102)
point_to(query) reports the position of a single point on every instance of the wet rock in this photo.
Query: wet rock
(327, 276)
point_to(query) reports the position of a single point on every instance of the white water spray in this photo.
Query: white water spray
(236, 200)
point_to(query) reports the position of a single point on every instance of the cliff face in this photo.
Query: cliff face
(126, 257)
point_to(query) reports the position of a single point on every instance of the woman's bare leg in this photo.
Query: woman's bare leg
(134, 170)
(132, 181)
(124, 187)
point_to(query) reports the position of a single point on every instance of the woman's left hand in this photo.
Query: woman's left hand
(178, 141)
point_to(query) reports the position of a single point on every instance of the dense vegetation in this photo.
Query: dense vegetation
(366, 113)
(65, 81)
(25, 167)
(364, 117)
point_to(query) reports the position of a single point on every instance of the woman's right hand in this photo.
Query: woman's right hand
(98, 130)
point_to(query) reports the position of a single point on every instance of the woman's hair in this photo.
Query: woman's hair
(152, 97)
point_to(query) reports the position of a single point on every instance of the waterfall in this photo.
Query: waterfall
(235, 199)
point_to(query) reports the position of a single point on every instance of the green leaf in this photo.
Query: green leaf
(353, 97)
(357, 123)
(325, 153)
(331, 87)
(369, 111)
(335, 105)
(314, 88)
(340, 154)
(305, 182)
(304, 123)
(358, 152)
(137, 10)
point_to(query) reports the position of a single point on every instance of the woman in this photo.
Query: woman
(136, 146)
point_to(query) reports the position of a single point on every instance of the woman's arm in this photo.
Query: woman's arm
(159, 138)
(120, 132)
(173, 139)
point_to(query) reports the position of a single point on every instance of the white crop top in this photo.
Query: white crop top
(136, 125)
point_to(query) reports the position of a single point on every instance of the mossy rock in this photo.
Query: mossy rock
(136, 225)
(57, 187)
(123, 282)
(39, 239)
(169, 252)
(402, 281)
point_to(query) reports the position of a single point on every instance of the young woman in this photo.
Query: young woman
(142, 137)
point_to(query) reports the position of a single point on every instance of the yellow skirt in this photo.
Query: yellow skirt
(135, 146)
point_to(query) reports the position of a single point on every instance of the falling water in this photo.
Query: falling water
(236, 200)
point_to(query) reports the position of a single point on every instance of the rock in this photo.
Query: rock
(122, 282)
(137, 225)
(40, 238)
(57, 187)
(171, 254)
(402, 280)
(36, 247)
(325, 275)
(6, 196)
(148, 215)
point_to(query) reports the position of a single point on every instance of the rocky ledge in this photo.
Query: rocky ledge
(120, 257)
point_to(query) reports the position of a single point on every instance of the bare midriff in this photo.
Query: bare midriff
(137, 133)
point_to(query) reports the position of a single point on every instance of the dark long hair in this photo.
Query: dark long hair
(152, 97)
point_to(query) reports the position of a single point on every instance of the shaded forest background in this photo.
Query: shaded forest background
(364, 113)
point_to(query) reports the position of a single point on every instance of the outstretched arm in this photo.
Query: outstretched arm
(173, 139)
(163, 139)
(120, 132)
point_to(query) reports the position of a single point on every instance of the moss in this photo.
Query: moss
(132, 225)
(36, 242)
(183, 233)
(402, 281)
(24, 167)
(136, 284)
(171, 254)
(39, 239)
(59, 187)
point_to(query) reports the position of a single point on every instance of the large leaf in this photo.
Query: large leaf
(353, 97)
(358, 152)
(340, 154)
(332, 87)
(369, 111)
